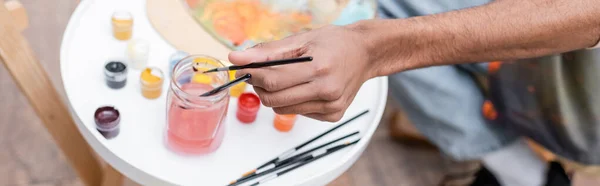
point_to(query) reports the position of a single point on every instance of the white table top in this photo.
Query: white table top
(139, 153)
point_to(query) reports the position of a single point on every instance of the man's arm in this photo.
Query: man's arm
(347, 56)
(502, 30)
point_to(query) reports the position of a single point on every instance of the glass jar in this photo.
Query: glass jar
(122, 23)
(196, 125)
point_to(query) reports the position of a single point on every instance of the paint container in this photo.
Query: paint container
(122, 23)
(137, 52)
(107, 120)
(174, 58)
(151, 81)
(196, 124)
(115, 74)
(284, 123)
(248, 105)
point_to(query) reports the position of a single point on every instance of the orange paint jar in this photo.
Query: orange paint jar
(122, 23)
(284, 123)
(151, 81)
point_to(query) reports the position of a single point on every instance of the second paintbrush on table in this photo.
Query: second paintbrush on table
(262, 64)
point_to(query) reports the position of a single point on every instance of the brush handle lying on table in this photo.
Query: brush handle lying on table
(306, 161)
(285, 162)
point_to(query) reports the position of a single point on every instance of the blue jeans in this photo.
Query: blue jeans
(444, 102)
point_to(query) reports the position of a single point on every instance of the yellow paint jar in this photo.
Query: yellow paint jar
(122, 23)
(151, 81)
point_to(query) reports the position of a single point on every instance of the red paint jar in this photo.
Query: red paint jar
(248, 105)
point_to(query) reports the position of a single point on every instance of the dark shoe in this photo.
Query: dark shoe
(485, 178)
(557, 175)
(459, 173)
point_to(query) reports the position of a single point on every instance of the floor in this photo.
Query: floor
(31, 158)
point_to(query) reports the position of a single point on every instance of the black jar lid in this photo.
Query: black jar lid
(115, 67)
(115, 70)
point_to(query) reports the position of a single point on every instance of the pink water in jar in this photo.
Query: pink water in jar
(196, 125)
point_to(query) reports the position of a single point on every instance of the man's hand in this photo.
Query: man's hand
(322, 89)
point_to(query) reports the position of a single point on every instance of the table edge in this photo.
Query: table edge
(130, 171)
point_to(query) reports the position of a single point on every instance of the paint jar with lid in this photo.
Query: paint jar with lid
(115, 74)
(151, 81)
(174, 58)
(107, 120)
(122, 25)
(248, 105)
(284, 123)
(138, 51)
(196, 124)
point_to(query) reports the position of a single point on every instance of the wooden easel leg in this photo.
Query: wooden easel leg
(111, 177)
(18, 58)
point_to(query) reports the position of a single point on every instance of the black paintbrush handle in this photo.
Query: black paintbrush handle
(290, 159)
(328, 152)
(227, 85)
(308, 160)
(331, 130)
(317, 137)
(294, 158)
(272, 63)
(277, 159)
(244, 180)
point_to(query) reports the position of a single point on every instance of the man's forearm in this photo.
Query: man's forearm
(502, 30)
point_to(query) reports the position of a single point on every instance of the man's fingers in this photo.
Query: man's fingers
(313, 107)
(281, 49)
(248, 56)
(278, 78)
(287, 97)
(333, 117)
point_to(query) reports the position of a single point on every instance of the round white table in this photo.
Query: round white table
(138, 151)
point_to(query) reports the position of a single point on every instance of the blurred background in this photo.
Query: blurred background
(30, 157)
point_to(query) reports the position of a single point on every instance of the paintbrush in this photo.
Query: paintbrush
(262, 64)
(289, 152)
(291, 159)
(227, 85)
(306, 161)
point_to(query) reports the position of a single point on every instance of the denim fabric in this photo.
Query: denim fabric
(444, 102)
